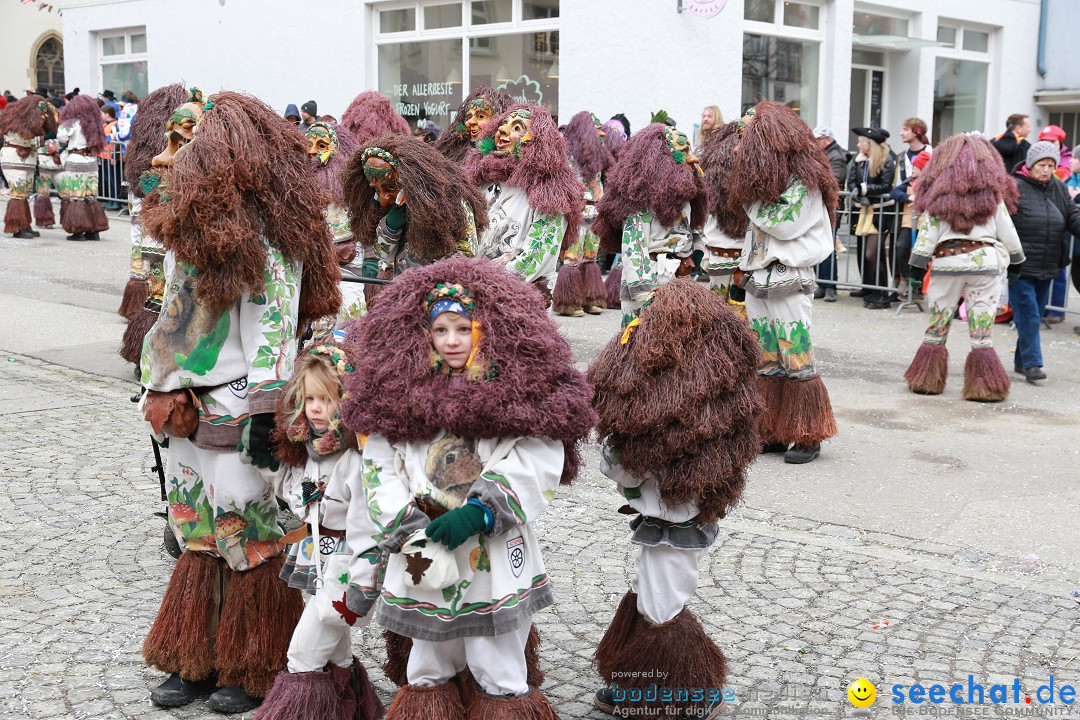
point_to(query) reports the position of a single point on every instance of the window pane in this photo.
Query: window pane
(138, 43)
(422, 76)
(442, 16)
(397, 20)
(782, 70)
(867, 57)
(760, 10)
(485, 12)
(526, 66)
(540, 9)
(120, 77)
(799, 15)
(959, 97)
(869, 24)
(976, 41)
(947, 35)
(112, 45)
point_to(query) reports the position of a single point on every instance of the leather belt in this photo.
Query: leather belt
(725, 252)
(430, 509)
(305, 530)
(958, 247)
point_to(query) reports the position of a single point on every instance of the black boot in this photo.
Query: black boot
(773, 448)
(92, 236)
(24, 235)
(232, 699)
(176, 691)
(77, 236)
(802, 455)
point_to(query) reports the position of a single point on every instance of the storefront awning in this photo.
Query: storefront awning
(894, 42)
(1057, 98)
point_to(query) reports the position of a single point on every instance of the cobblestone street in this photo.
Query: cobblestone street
(933, 539)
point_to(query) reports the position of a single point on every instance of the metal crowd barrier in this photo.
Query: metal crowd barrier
(111, 185)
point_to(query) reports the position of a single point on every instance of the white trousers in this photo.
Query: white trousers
(665, 578)
(497, 663)
(315, 643)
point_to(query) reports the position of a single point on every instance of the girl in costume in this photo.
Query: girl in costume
(320, 478)
(655, 202)
(474, 412)
(964, 199)
(534, 200)
(24, 125)
(82, 139)
(725, 230)
(579, 288)
(480, 107)
(678, 407)
(782, 181)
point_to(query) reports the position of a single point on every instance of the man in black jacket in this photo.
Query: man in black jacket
(838, 160)
(1044, 215)
(1011, 144)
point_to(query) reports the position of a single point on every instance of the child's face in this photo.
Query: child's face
(319, 407)
(916, 171)
(451, 336)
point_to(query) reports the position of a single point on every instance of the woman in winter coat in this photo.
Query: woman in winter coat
(1043, 218)
(870, 180)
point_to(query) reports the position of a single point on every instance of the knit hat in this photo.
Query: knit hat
(310, 108)
(921, 160)
(1042, 150)
(824, 131)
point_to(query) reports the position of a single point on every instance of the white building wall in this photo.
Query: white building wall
(24, 26)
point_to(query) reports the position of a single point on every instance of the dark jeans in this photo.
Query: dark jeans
(1028, 297)
(1058, 292)
(826, 270)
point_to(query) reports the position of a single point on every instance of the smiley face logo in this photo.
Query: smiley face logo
(862, 693)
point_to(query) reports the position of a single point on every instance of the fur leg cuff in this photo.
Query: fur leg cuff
(805, 417)
(927, 373)
(530, 706)
(985, 379)
(611, 286)
(181, 639)
(569, 292)
(415, 702)
(17, 217)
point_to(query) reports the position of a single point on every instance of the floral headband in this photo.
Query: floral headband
(455, 293)
(377, 173)
(336, 356)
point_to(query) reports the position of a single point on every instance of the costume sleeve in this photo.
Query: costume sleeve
(367, 563)
(926, 241)
(544, 243)
(611, 465)
(638, 274)
(519, 487)
(386, 244)
(268, 330)
(1006, 233)
(389, 501)
(64, 134)
(790, 217)
(288, 481)
(469, 245)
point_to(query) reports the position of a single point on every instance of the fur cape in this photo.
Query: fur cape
(542, 170)
(964, 183)
(332, 175)
(235, 183)
(147, 129)
(775, 147)
(25, 118)
(647, 177)
(455, 142)
(434, 188)
(531, 387)
(85, 109)
(369, 115)
(680, 398)
(589, 154)
(717, 155)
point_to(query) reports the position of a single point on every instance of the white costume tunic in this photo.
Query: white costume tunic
(19, 159)
(651, 255)
(526, 240)
(79, 178)
(722, 254)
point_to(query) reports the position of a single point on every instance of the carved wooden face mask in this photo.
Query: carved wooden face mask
(477, 116)
(514, 134)
(322, 142)
(179, 131)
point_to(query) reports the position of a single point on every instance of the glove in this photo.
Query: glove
(370, 268)
(456, 526)
(395, 219)
(255, 447)
(1014, 273)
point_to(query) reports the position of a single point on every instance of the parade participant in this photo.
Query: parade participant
(678, 403)
(474, 412)
(411, 204)
(321, 479)
(370, 115)
(482, 105)
(82, 138)
(725, 231)
(141, 303)
(49, 166)
(252, 262)
(534, 201)
(654, 202)
(782, 181)
(24, 125)
(579, 288)
(964, 200)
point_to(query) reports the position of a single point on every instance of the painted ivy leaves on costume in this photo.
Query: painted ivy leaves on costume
(787, 208)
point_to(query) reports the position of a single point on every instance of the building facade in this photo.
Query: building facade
(960, 65)
(31, 49)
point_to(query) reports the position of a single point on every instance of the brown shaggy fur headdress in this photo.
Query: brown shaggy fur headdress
(775, 147)
(245, 176)
(26, 118)
(589, 154)
(85, 109)
(370, 115)
(647, 177)
(717, 156)
(434, 188)
(147, 130)
(680, 398)
(530, 387)
(455, 142)
(964, 183)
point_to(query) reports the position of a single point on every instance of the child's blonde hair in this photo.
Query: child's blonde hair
(311, 370)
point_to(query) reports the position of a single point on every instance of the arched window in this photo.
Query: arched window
(49, 64)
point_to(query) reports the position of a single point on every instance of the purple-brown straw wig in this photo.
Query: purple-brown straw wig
(434, 187)
(369, 115)
(589, 154)
(85, 109)
(680, 398)
(647, 177)
(717, 156)
(615, 139)
(455, 142)
(147, 129)
(542, 170)
(24, 118)
(536, 391)
(244, 177)
(964, 183)
(775, 147)
(332, 175)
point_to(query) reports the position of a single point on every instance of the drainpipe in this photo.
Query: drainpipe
(1041, 60)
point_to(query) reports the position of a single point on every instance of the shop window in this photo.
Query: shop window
(800, 15)
(782, 70)
(488, 12)
(871, 24)
(959, 97)
(122, 62)
(437, 17)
